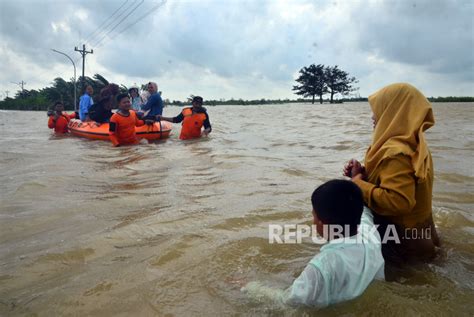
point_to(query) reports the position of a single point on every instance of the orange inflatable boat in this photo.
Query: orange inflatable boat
(96, 131)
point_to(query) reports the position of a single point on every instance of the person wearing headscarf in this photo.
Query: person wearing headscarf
(154, 104)
(102, 111)
(397, 180)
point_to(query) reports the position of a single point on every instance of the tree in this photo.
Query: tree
(312, 82)
(338, 81)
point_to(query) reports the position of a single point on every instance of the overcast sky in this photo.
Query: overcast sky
(240, 49)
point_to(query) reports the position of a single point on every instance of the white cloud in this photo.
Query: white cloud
(243, 49)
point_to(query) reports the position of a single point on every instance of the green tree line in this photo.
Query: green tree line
(63, 90)
(60, 90)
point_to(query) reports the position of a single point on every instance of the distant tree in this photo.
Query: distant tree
(123, 89)
(338, 81)
(100, 80)
(311, 82)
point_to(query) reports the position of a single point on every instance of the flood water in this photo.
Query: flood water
(173, 228)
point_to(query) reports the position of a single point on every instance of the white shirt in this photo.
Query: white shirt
(341, 271)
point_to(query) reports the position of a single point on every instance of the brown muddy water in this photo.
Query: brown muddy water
(170, 228)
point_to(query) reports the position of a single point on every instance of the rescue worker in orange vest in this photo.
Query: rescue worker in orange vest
(58, 119)
(193, 118)
(123, 122)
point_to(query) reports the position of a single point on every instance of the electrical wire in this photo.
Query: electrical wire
(120, 22)
(112, 23)
(100, 27)
(153, 9)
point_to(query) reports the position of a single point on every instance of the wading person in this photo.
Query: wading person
(397, 180)
(58, 120)
(347, 264)
(85, 102)
(123, 123)
(193, 119)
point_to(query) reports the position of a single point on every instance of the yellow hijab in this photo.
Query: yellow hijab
(402, 114)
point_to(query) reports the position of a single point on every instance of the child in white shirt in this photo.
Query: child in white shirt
(346, 265)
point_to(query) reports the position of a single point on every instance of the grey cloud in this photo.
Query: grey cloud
(248, 41)
(230, 39)
(435, 34)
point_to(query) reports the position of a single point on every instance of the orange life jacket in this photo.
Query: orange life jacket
(60, 125)
(122, 128)
(192, 124)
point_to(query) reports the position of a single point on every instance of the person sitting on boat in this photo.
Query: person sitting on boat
(102, 111)
(154, 104)
(144, 95)
(346, 265)
(123, 123)
(58, 119)
(193, 118)
(135, 98)
(85, 102)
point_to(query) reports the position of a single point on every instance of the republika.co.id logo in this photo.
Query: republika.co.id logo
(295, 234)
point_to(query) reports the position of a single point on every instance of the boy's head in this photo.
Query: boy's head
(337, 202)
(58, 106)
(123, 102)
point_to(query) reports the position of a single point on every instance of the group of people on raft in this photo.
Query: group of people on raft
(396, 184)
(133, 111)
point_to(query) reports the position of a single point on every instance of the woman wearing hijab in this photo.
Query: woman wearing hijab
(397, 180)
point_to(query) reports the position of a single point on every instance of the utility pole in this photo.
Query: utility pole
(83, 53)
(21, 84)
(6, 92)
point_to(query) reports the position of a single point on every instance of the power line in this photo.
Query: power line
(141, 18)
(95, 34)
(99, 28)
(111, 17)
(112, 22)
(120, 22)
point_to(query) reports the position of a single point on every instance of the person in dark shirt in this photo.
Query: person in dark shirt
(193, 118)
(102, 111)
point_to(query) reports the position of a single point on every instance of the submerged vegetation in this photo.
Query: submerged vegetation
(63, 90)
